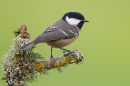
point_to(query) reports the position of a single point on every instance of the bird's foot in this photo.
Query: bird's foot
(66, 50)
(70, 52)
(51, 57)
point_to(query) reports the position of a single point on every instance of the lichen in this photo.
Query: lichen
(20, 66)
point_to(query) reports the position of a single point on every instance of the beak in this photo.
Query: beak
(85, 20)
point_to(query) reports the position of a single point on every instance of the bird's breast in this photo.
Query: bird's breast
(61, 43)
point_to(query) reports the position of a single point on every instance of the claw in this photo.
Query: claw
(51, 57)
(71, 52)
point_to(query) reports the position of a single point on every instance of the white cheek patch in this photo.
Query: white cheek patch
(72, 21)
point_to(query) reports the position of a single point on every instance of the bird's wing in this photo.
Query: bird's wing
(53, 33)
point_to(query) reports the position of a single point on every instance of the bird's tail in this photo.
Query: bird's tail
(27, 46)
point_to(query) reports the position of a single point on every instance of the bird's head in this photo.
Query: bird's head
(74, 18)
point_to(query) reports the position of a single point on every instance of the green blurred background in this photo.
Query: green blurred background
(104, 41)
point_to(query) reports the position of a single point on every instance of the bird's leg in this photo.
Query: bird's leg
(69, 51)
(51, 54)
(66, 50)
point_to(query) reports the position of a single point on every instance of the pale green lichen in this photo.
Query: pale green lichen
(16, 68)
(16, 63)
(20, 66)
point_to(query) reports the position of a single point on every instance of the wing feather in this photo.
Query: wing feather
(53, 34)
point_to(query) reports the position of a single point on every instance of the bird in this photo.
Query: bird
(62, 33)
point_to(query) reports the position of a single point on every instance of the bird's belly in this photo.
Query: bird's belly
(61, 43)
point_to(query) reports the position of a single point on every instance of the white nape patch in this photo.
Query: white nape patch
(72, 21)
(63, 32)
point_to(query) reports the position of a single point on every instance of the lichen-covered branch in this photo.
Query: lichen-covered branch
(20, 67)
(58, 62)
